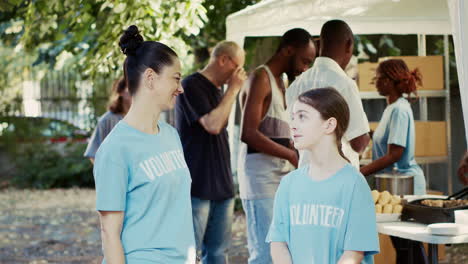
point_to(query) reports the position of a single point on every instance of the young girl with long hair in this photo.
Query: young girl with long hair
(323, 212)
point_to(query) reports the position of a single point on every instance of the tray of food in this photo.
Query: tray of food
(435, 210)
(388, 207)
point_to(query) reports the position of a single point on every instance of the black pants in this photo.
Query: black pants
(405, 247)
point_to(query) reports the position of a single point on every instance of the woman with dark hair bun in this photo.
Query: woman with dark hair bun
(142, 180)
(119, 103)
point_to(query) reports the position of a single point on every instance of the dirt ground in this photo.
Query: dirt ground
(61, 226)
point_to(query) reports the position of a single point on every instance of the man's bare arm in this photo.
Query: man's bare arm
(256, 94)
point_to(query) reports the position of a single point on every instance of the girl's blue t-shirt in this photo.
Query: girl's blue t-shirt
(319, 220)
(146, 177)
(397, 127)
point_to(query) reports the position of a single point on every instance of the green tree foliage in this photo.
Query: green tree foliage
(82, 35)
(215, 28)
(11, 65)
(85, 33)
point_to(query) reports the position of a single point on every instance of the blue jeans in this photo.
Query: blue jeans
(258, 214)
(212, 223)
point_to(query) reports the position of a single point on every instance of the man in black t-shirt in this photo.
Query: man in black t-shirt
(202, 112)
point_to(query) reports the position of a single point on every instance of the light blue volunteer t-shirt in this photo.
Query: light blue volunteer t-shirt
(319, 220)
(397, 127)
(146, 177)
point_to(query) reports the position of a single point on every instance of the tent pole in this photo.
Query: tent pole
(447, 113)
(423, 115)
(421, 44)
(422, 100)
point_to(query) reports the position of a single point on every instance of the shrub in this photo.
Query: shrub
(43, 166)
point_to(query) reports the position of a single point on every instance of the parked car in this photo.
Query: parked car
(17, 132)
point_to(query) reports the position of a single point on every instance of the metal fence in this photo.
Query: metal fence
(64, 95)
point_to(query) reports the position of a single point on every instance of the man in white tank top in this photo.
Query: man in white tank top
(267, 154)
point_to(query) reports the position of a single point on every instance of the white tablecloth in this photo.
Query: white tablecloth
(418, 232)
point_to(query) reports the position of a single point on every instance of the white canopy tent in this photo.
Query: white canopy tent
(274, 17)
(459, 19)
(421, 17)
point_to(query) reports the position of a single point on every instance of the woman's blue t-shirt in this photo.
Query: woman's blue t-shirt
(397, 127)
(319, 220)
(146, 177)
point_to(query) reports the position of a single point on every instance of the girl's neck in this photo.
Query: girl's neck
(143, 119)
(325, 161)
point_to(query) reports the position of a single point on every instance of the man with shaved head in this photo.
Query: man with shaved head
(336, 49)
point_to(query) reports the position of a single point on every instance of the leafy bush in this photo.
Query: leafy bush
(43, 166)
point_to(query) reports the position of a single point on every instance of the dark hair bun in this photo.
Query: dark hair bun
(130, 40)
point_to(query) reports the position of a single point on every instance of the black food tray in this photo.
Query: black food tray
(417, 212)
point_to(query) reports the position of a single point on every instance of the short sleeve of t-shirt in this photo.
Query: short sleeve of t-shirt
(194, 100)
(111, 179)
(103, 128)
(96, 139)
(358, 123)
(279, 228)
(399, 125)
(361, 230)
